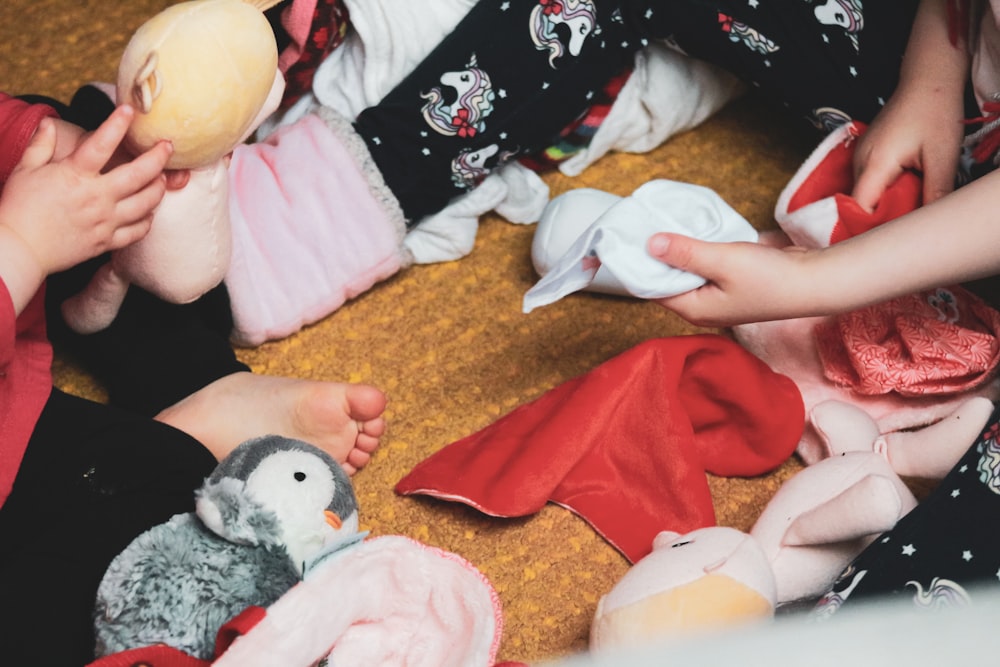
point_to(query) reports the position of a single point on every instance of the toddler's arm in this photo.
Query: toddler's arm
(953, 240)
(56, 211)
(920, 127)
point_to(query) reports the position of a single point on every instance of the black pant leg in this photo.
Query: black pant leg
(92, 479)
(501, 85)
(826, 61)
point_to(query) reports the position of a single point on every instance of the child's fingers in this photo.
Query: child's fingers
(95, 151)
(872, 181)
(131, 177)
(140, 204)
(130, 233)
(177, 178)
(684, 253)
(42, 146)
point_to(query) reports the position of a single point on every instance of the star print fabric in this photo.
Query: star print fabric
(510, 77)
(945, 551)
(826, 60)
(514, 73)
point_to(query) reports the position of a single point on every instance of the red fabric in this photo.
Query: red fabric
(241, 624)
(166, 656)
(25, 353)
(940, 341)
(316, 27)
(18, 121)
(627, 445)
(834, 177)
(149, 656)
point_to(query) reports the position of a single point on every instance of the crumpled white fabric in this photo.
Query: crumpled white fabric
(617, 241)
(667, 93)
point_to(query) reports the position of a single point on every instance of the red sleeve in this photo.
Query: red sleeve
(18, 121)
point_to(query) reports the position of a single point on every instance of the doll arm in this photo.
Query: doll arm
(920, 127)
(952, 240)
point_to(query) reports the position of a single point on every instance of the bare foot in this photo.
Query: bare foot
(343, 419)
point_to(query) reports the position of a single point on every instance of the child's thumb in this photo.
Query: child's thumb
(679, 251)
(42, 146)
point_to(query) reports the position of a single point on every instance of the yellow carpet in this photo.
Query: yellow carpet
(449, 343)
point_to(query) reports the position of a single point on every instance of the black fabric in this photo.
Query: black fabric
(93, 478)
(820, 59)
(420, 133)
(419, 137)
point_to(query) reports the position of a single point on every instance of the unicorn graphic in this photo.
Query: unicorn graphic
(468, 168)
(989, 461)
(844, 13)
(580, 16)
(741, 32)
(832, 601)
(945, 303)
(829, 119)
(941, 593)
(473, 102)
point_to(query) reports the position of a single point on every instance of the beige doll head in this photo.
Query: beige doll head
(199, 73)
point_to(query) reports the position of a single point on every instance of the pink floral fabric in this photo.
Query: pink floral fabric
(940, 341)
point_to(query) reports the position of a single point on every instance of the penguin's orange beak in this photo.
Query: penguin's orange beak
(333, 519)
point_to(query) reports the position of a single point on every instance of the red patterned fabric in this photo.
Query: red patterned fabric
(939, 341)
(326, 32)
(627, 445)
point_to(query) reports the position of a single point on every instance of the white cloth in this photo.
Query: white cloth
(617, 241)
(667, 93)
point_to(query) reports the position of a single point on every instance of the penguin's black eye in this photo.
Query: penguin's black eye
(680, 544)
(299, 476)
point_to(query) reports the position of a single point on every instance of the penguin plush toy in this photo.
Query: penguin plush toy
(270, 510)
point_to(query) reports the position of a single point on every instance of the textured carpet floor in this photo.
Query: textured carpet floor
(448, 342)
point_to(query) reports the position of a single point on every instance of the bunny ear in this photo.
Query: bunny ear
(262, 5)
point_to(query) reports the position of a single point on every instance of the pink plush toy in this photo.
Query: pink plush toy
(815, 525)
(705, 580)
(202, 74)
(719, 577)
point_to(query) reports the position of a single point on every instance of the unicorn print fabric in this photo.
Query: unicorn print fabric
(514, 73)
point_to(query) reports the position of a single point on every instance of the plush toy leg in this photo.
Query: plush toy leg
(943, 553)
(627, 445)
(927, 452)
(95, 308)
(313, 225)
(931, 452)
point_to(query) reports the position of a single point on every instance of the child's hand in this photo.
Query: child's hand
(747, 282)
(923, 134)
(920, 127)
(66, 211)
